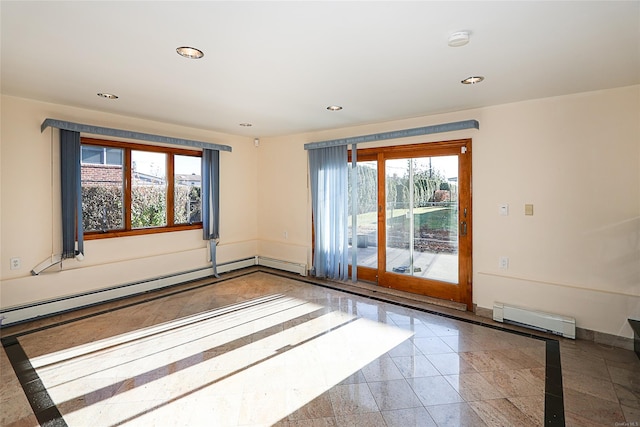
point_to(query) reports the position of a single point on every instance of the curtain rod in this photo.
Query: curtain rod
(426, 130)
(119, 133)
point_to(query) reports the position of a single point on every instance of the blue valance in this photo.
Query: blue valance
(127, 134)
(425, 130)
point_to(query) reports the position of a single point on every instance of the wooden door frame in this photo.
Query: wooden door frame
(464, 290)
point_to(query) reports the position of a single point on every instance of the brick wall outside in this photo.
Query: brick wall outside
(101, 174)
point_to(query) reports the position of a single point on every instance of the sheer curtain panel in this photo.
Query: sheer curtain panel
(71, 191)
(328, 171)
(211, 201)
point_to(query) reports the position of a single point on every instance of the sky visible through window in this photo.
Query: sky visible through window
(154, 164)
(446, 165)
(187, 165)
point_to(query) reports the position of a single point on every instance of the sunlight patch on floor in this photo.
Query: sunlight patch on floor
(233, 367)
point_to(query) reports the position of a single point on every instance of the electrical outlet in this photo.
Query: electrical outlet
(503, 263)
(16, 263)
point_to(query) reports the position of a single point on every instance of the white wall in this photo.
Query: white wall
(30, 210)
(575, 158)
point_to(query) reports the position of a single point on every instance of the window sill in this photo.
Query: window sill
(95, 235)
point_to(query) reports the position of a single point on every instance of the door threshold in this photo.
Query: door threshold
(371, 287)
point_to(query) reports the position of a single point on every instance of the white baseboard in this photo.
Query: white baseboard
(19, 314)
(24, 313)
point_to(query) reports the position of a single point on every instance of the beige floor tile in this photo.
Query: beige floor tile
(523, 358)
(517, 383)
(352, 398)
(455, 415)
(316, 422)
(578, 360)
(432, 345)
(415, 366)
(394, 394)
(473, 386)
(531, 406)
(493, 360)
(581, 405)
(411, 417)
(625, 377)
(587, 384)
(318, 408)
(501, 412)
(450, 363)
(434, 390)
(631, 414)
(355, 378)
(382, 369)
(252, 372)
(369, 419)
(406, 348)
(627, 397)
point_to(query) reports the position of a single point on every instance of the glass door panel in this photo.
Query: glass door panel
(365, 238)
(421, 217)
(414, 223)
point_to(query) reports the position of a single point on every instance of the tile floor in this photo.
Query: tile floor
(257, 348)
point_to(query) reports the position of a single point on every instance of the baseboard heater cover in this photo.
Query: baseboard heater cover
(538, 320)
(292, 267)
(20, 314)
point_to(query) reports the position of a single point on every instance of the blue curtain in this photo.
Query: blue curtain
(211, 201)
(329, 200)
(71, 189)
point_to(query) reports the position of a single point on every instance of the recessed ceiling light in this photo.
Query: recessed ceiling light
(246, 125)
(472, 80)
(108, 95)
(190, 52)
(334, 108)
(459, 38)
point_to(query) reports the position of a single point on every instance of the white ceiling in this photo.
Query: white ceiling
(278, 65)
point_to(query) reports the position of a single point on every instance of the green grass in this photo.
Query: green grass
(428, 214)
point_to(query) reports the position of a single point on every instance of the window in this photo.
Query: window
(187, 189)
(102, 191)
(148, 189)
(101, 155)
(130, 189)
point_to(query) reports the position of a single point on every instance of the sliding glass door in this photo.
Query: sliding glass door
(422, 217)
(414, 219)
(364, 239)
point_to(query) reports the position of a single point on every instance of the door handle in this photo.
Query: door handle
(463, 228)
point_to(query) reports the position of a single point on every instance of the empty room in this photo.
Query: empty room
(335, 213)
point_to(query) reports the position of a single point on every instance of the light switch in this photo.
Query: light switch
(504, 209)
(528, 209)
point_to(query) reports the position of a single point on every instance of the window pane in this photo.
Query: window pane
(92, 154)
(102, 191)
(114, 156)
(365, 239)
(148, 189)
(422, 217)
(187, 205)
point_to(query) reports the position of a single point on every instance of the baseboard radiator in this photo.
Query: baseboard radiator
(20, 314)
(538, 320)
(292, 267)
